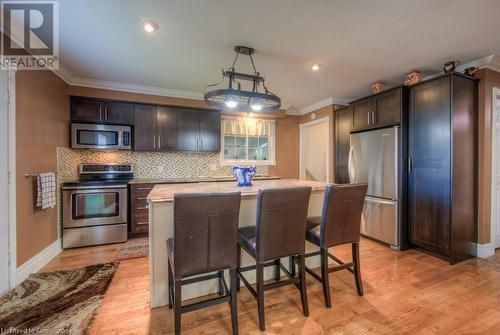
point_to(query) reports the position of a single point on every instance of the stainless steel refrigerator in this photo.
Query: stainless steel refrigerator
(373, 159)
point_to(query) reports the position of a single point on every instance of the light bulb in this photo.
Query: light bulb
(315, 67)
(150, 26)
(256, 107)
(231, 103)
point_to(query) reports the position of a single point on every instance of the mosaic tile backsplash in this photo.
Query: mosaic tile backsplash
(146, 164)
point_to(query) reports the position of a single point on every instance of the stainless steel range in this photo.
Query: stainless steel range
(95, 209)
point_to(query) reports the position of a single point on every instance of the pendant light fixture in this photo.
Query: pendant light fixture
(258, 99)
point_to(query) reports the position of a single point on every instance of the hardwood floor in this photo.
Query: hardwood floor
(405, 293)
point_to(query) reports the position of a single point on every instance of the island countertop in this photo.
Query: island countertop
(166, 192)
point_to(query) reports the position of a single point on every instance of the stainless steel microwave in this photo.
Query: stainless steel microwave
(100, 136)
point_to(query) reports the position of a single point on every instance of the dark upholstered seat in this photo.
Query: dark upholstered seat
(313, 230)
(246, 237)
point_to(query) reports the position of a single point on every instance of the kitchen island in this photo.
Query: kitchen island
(161, 224)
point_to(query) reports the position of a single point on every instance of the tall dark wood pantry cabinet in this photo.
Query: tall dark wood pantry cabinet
(442, 166)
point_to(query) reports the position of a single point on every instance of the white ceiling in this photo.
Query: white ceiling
(357, 42)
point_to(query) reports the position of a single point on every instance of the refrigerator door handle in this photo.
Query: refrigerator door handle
(350, 165)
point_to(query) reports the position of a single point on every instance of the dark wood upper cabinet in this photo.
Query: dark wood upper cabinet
(441, 166)
(342, 125)
(119, 112)
(145, 128)
(210, 132)
(86, 110)
(188, 129)
(167, 131)
(387, 108)
(101, 111)
(198, 130)
(361, 114)
(156, 128)
(379, 110)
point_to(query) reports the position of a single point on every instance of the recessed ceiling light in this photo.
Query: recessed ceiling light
(315, 67)
(150, 26)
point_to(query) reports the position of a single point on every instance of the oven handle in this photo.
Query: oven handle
(94, 187)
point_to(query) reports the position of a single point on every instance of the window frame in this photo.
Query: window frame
(271, 143)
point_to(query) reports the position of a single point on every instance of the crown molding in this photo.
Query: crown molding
(323, 103)
(71, 80)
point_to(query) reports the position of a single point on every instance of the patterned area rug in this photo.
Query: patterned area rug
(60, 302)
(135, 248)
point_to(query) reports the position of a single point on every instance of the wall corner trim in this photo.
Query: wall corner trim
(482, 250)
(38, 261)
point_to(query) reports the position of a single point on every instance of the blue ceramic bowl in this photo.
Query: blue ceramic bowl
(244, 174)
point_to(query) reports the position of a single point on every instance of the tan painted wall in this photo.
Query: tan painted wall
(42, 124)
(287, 148)
(489, 80)
(320, 113)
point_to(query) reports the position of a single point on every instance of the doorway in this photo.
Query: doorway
(495, 171)
(315, 150)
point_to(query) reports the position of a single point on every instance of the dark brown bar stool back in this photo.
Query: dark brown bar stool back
(281, 223)
(339, 224)
(205, 234)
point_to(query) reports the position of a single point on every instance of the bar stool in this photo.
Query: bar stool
(339, 224)
(279, 232)
(205, 234)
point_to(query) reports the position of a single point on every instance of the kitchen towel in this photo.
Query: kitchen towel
(46, 190)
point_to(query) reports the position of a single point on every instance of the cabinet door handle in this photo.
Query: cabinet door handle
(369, 118)
(201, 143)
(142, 208)
(410, 163)
(142, 198)
(154, 141)
(373, 117)
(100, 112)
(142, 223)
(159, 141)
(144, 188)
(105, 112)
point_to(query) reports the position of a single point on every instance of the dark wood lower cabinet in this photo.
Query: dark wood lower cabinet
(139, 215)
(441, 166)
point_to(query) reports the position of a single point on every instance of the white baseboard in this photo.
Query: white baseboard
(38, 261)
(483, 250)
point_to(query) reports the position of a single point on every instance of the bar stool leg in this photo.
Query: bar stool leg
(303, 289)
(234, 304)
(325, 277)
(357, 269)
(238, 265)
(170, 285)
(177, 306)
(221, 286)
(260, 296)
(277, 274)
(291, 259)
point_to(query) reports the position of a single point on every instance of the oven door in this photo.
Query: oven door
(83, 207)
(99, 136)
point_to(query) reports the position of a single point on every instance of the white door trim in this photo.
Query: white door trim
(302, 126)
(12, 176)
(495, 210)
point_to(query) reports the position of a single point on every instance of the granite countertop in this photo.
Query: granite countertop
(166, 192)
(192, 180)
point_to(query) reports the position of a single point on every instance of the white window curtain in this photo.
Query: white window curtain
(247, 126)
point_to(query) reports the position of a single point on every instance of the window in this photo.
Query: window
(247, 141)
